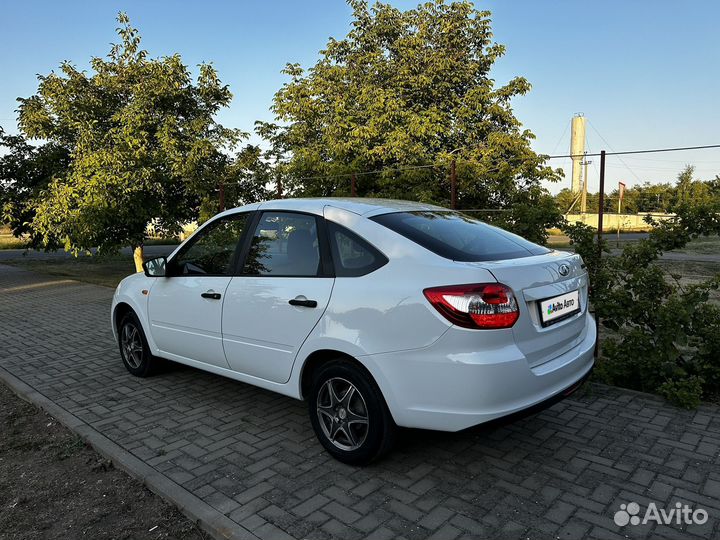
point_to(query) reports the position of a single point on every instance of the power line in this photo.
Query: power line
(611, 148)
(671, 161)
(563, 156)
(628, 152)
(562, 137)
(364, 173)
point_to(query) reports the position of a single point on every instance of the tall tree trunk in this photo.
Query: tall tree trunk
(138, 257)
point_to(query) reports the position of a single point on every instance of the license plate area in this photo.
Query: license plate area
(559, 308)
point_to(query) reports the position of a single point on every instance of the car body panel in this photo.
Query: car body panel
(432, 373)
(538, 278)
(183, 323)
(261, 331)
(464, 379)
(130, 292)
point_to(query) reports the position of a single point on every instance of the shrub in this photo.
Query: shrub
(664, 337)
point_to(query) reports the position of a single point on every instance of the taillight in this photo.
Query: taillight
(485, 305)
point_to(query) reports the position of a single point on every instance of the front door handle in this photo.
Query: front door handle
(212, 295)
(302, 301)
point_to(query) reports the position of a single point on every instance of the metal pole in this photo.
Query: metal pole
(601, 203)
(221, 202)
(583, 200)
(619, 218)
(601, 199)
(353, 186)
(453, 185)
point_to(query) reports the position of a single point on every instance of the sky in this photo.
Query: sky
(644, 73)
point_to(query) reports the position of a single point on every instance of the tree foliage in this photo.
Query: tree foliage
(651, 197)
(25, 171)
(404, 93)
(244, 179)
(144, 143)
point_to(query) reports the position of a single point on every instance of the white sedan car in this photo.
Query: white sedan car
(379, 313)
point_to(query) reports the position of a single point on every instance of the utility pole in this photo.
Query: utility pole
(621, 192)
(353, 185)
(583, 200)
(601, 199)
(453, 185)
(221, 190)
(601, 204)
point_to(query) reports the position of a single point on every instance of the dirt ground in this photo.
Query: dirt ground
(53, 486)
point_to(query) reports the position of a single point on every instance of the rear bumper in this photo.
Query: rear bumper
(452, 385)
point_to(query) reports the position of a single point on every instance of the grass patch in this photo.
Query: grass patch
(691, 269)
(704, 245)
(562, 241)
(174, 241)
(8, 241)
(558, 241)
(691, 273)
(106, 271)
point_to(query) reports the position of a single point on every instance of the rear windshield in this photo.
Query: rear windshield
(458, 236)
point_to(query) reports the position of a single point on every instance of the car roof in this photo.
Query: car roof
(359, 205)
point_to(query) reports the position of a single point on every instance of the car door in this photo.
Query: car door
(281, 293)
(185, 308)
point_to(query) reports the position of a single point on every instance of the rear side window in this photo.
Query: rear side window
(352, 256)
(459, 237)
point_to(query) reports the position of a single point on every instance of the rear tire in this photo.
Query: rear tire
(349, 414)
(134, 348)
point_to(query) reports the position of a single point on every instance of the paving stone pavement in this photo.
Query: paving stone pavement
(252, 455)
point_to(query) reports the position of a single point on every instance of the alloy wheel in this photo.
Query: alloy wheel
(132, 345)
(343, 414)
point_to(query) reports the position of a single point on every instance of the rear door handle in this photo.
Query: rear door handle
(212, 295)
(302, 301)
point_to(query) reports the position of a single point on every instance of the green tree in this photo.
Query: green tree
(276, 156)
(691, 191)
(565, 199)
(244, 179)
(714, 188)
(405, 93)
(25, 171)
(683, 189)
(655, 197)
(144, 143)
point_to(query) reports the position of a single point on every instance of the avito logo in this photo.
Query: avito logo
(681, 514)
(559, 306)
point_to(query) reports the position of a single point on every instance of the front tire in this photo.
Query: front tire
(134, 348)
(349, 414)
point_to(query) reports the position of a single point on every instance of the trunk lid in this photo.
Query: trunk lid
(533, 280)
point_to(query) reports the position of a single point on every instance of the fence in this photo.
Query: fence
(621, 222)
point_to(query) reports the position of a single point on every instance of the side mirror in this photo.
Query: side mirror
(155, 267)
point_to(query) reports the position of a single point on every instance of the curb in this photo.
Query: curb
(207, 517)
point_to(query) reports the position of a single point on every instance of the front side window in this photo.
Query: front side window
(459, 237)
(211, 251)
(284, 244)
